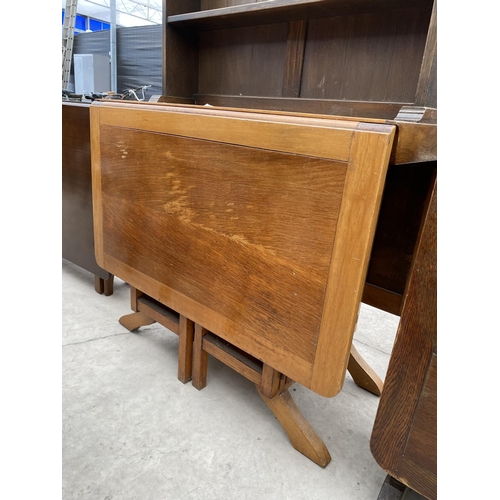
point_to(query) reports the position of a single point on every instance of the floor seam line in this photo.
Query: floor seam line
(371, 347)
(96, 338)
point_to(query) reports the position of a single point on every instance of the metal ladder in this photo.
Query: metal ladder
(67, 40)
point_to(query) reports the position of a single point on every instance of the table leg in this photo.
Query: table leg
(135, 320)
(362, 373)
(185, 362)
(300, 432)
(200, 358)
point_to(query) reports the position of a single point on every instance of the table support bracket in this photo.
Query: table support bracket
(149, 311)
(363, 374)
(271, 385)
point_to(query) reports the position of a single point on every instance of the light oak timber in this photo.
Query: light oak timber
(307, 136)
(309, 264)
(147, 312)
(267, 268)
(227, 354)
(185, 354)
(414, 142)
(271, 385)
(298, 369)
(270, 382)
(300, 432)
(200, 358)
(346, 277)
(134, 321)
(362, 374)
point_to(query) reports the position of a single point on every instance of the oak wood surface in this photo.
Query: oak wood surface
(200, 358)
(271, 385)
(347, 273)
(362, 374)
(240, 239)
(402, 204)
(230, 356)
(300, 432)
(148, 311)
(135, 320)
(185, 354)
(270, 382)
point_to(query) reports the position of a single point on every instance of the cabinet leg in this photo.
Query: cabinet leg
(103, 286)
(392, 489)
(135, 320)
(362, 374)
(300, 432)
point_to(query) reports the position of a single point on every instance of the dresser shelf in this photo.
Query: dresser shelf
(274, 11)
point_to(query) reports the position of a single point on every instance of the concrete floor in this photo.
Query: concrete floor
(131, 430)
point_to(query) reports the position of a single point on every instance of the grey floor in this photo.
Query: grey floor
(131, 430)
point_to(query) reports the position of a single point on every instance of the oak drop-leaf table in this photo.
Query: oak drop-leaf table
(248, 234)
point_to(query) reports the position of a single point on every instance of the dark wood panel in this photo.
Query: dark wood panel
(408, 401)
(178, 7)
(247, 61)
(217, 4)
(180, 53)
(370, 110)
(270, 12)
(369, 57)
(420, 462)
(403, 205)
(294, 58)
(427, 84)
(77, 216)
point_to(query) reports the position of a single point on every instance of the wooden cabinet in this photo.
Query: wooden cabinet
(77, 210)
(404, 437)
(350, 57)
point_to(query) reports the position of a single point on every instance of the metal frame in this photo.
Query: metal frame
(148, 10)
